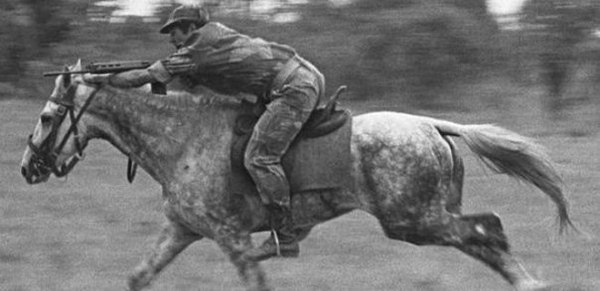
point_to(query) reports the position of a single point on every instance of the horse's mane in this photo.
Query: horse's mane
(178, 101)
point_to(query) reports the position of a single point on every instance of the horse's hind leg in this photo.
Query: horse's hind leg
(480, 236)
(483, 239)
(486, 240)
(173, 239)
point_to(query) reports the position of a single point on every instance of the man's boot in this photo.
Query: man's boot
(282, 242)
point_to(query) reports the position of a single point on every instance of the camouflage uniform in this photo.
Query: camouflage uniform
(288, 108)
(229, 62)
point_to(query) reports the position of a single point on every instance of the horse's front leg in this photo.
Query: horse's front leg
(173, 239)
(234, 244)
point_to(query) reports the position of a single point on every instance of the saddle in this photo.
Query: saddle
(319, 157)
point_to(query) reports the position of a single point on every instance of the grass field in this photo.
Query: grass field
(88, 232)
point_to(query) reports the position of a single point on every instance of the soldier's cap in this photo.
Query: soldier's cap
(192, 13)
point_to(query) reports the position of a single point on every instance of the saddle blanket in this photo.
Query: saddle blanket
(313, 163)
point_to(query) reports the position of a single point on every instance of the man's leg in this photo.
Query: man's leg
(272, 136)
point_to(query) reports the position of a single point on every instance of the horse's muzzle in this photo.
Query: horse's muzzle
(35, 173)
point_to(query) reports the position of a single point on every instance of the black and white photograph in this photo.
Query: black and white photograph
(300, 145)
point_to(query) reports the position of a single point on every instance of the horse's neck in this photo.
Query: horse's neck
(155, 130)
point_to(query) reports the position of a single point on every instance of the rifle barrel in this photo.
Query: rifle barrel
(105, 67)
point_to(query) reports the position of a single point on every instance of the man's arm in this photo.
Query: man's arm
(162, 71)
(131, 79)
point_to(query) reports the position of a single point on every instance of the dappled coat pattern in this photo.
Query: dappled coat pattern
(405, 171)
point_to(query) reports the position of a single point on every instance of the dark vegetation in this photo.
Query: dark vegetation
(417, 53)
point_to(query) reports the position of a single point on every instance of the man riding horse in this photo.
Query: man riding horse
(213, 55)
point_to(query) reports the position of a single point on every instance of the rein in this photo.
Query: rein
(45, 157)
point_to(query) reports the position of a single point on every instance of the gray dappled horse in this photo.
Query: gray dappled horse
(405, 169)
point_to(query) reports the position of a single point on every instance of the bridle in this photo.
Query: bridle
(47, 152)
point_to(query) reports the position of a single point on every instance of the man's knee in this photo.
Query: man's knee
(250, 161)
(254, 161)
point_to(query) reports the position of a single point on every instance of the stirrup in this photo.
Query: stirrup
(276, 238)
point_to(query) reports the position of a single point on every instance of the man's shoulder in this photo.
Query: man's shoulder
(216, 28)
(210, 33)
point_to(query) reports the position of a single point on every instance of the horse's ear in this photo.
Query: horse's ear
(66, 78)
(77, 65)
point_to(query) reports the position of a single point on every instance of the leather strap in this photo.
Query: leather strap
(131, 170)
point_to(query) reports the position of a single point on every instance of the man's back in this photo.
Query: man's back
(227, 60)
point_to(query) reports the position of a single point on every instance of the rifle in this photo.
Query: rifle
(114, 67)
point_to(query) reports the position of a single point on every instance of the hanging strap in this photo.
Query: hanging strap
(131, 170)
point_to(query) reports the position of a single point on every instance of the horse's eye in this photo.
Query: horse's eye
(45, 119)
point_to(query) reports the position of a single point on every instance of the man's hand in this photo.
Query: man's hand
(100, 79)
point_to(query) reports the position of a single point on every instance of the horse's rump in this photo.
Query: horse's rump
(311, 163)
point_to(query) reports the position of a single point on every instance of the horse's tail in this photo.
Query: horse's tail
(507, 152)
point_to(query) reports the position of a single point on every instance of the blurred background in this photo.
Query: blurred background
(493, 56)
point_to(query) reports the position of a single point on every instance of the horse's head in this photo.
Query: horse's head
(58, 138)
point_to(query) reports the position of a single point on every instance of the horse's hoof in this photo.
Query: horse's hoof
(532, 285)
(134, 284)
(563, 287)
